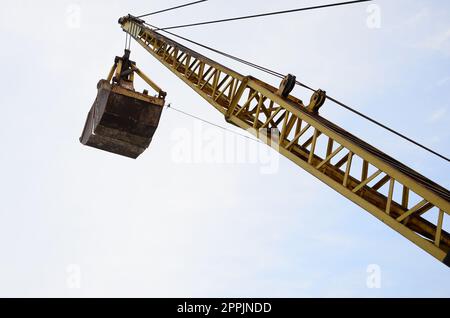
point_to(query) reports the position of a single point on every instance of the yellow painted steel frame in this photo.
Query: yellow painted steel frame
(392, 192)
(116, 69)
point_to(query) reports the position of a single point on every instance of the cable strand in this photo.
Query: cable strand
(279, 75)
(387, 128)
(172, 8)
(169, 106)
(256, 66)
(264, 14)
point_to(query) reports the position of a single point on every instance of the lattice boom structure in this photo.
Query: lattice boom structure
(392, 192)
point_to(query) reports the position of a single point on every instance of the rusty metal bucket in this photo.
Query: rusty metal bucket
(122, 121)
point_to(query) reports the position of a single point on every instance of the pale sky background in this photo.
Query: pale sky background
(157, 228)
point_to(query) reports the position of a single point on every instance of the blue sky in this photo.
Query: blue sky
(156, 227)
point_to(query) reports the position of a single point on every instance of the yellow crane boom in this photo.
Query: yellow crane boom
(392, 192)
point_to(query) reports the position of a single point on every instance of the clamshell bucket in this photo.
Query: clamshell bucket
(121, 120)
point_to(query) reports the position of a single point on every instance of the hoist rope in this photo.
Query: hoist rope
(264, 14)
(169, 106)
(172, 8)
(332, 99)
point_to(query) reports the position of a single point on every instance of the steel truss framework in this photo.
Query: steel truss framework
(409, 203)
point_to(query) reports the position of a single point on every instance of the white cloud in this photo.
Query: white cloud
(438, 42)
(437, 115)
(443, 81)
(417, 18)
